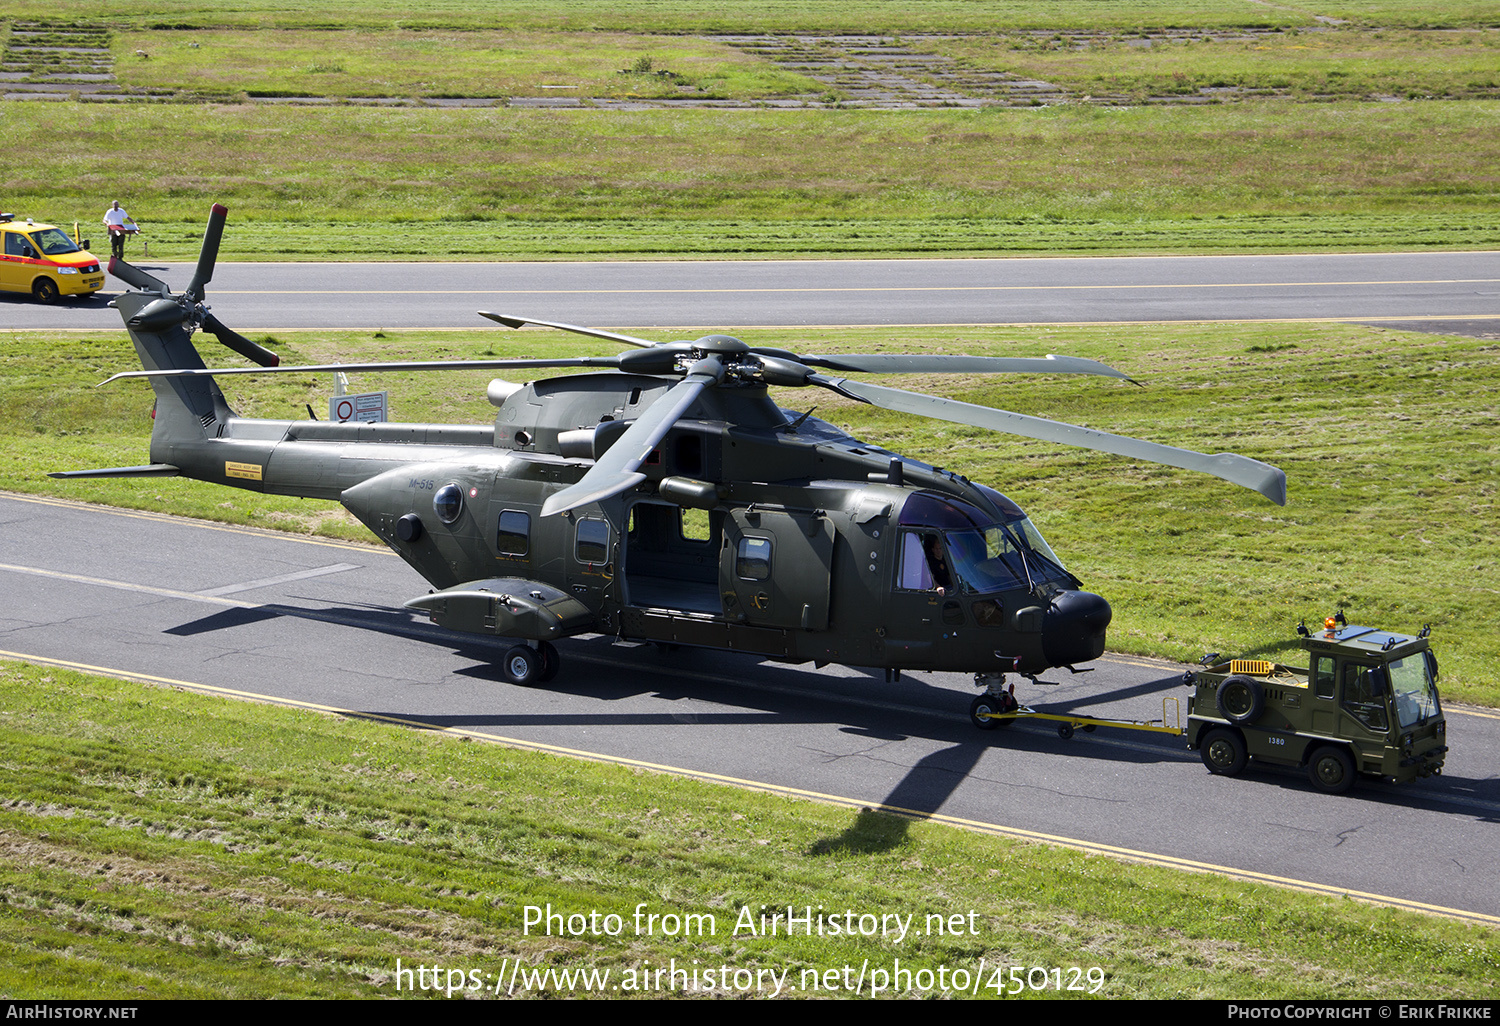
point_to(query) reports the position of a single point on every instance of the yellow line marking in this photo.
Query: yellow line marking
(980, 826)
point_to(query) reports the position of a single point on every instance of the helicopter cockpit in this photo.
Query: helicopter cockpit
(953, 545)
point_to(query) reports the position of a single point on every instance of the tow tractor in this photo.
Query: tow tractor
(1366, 706)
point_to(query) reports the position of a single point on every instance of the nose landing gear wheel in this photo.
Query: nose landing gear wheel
(987, 712)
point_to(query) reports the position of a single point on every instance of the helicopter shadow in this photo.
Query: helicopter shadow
(859, 704)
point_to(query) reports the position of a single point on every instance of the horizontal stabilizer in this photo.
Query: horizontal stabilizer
(150, 470)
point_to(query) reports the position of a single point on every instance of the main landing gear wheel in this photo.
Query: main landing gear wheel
(1223, 752)
(1331, 770)
(988, 711)
(523, 665)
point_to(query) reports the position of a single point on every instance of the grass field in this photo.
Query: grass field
(1320, 64)
(776, 15)
(1324, 63)
(1298, 160)
(167, 845)
(523, 184)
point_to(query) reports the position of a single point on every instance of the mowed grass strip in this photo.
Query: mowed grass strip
(1322, 64)
(351, 63)
(671, 16)
(159, 844)
(1389, 440)
(554, 182)
(851, 16)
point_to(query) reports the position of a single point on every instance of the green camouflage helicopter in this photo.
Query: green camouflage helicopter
(666, 498)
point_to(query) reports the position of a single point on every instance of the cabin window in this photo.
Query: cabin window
(448, 503)
(753, 562)
(514, 536)
(694, 525)
(1323, 679)
(593, 541)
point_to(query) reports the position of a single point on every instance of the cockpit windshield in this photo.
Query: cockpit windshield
(984, 556)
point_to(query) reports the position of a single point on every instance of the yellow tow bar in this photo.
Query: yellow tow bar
(1066, 725)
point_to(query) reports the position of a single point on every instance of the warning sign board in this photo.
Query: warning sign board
(367, 406)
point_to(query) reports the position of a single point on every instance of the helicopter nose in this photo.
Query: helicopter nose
(1073, 630)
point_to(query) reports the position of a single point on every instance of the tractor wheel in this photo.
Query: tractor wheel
(1331, 770)
(1223, 752)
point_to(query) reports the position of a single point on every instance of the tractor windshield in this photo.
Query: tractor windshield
(1412, 689)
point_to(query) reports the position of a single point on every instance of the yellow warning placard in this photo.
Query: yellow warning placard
(248, 471)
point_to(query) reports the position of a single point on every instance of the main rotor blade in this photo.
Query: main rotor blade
(881, 363)
(517, 322)
(239, 343)
(136, 277)
(423, 365)
(618, 468)
(1257, 476)
(208, 254)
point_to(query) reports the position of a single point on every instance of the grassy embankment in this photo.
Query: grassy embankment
(1388, 439)
(852, 16)
(1264, 174)
(158, 845)
(499, 184)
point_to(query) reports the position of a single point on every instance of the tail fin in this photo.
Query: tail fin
(188, 410)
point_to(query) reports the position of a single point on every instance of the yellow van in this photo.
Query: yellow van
(45, 261)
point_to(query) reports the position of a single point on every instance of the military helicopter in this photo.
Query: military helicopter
(664, 497)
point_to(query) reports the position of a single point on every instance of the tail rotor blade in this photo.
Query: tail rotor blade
(209, 254)
(136, 278)
(239, 343)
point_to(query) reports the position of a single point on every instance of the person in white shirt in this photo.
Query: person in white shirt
(118, 222)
